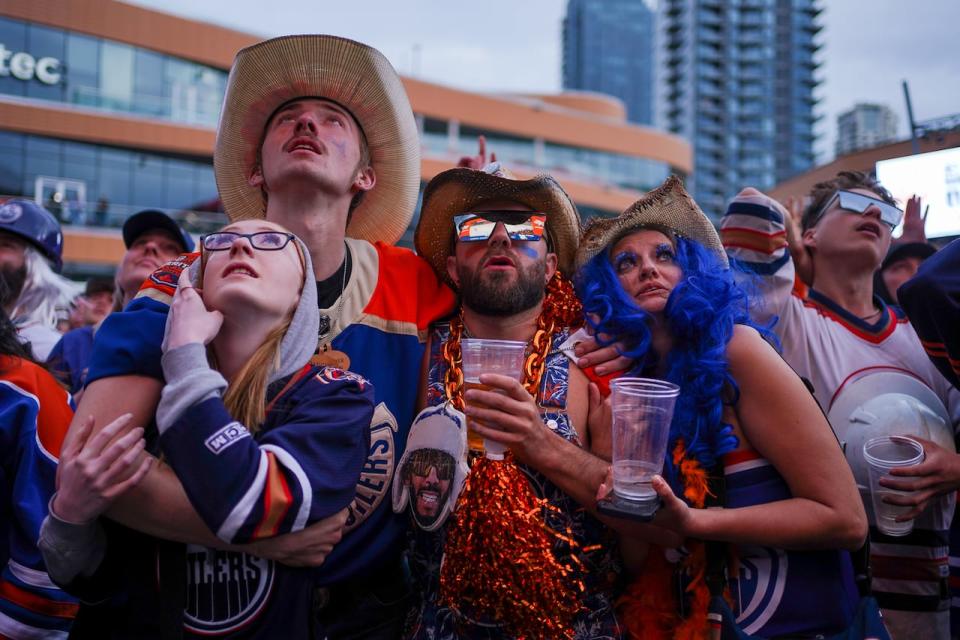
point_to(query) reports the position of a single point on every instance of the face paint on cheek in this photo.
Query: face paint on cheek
(341, 147)
(529, 252)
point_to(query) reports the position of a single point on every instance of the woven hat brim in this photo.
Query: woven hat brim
(459, 190)
(669, 207)
(354, 75)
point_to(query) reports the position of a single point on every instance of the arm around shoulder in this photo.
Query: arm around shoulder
(299, 470)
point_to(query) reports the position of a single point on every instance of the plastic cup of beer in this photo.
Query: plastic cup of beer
(883, 454)
(503, 357)
(642, 410)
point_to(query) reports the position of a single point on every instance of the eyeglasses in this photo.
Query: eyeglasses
(522, 226)
(859, 203)
(262, 240)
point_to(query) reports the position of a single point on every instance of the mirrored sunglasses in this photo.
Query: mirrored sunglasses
(859, 203)
(262, 240)
(520, 226)
(423, 460)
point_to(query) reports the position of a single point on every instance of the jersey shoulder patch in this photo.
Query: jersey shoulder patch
(162, 283)
(328, 375)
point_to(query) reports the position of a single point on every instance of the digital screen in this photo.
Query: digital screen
(935, 177)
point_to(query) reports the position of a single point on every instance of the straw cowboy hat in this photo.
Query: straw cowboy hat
(357, 77)
(459, 190)
(668, 208)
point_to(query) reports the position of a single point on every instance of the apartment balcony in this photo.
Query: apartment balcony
(674, 9)
(674, 42)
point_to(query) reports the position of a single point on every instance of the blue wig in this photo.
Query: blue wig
(700, 314)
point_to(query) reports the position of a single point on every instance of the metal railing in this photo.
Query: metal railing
(93, 214)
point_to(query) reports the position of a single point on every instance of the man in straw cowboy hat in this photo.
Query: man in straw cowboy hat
(506, 246)
(316, 134)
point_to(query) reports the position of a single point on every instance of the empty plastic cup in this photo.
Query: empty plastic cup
(642, 410)
(504, 357)
(883, 454)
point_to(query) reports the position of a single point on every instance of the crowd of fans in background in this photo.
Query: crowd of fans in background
(95, 528)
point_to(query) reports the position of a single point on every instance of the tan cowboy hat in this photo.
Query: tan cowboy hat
(457, 191)
(668, 207)
(358, 78)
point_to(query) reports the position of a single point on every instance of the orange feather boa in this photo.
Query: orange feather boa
(649, 607)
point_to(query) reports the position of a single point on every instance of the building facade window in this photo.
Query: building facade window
(117, 182)
(110, 76)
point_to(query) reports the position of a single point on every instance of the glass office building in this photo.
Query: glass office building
(111, 108)
(608, 47)
(738, 81)
(113, 76)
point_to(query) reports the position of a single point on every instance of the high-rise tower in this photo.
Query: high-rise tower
(737, 79)
(608, 46)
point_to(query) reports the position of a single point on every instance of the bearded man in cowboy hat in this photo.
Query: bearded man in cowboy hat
(505, 245)
(316, 134)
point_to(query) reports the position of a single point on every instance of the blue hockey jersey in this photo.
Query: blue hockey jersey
(379, 326)
(34, 415)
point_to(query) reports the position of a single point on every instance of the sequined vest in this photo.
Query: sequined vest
(600, 571)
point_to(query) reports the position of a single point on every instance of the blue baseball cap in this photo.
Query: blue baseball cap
(36, 225)
(143, 221)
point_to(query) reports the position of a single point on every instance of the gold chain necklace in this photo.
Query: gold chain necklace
(533, 365)
(560, 308)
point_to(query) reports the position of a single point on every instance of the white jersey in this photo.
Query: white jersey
(828, 346)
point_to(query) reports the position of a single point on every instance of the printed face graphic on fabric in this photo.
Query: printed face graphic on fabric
(429, 473)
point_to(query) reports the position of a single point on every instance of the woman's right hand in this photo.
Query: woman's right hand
(92, 472)
(189, 319)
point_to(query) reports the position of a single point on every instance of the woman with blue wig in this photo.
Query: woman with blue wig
(656, 280)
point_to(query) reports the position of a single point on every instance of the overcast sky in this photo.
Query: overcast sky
(869, 46)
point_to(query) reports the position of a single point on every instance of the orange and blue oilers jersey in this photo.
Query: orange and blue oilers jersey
(388, 303)
(775, 591)
(300, 467)
(35, 412)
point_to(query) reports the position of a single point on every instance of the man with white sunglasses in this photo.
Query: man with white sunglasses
(815, 275)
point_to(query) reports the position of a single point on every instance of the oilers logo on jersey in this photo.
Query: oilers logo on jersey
(760, 586)
(374, 483)
(225, 590)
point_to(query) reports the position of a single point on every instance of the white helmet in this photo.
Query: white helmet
(882, 402)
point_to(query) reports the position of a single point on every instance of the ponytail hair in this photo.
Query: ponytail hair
(246, 395)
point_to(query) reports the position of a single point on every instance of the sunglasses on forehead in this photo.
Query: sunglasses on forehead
(525, 226)
(859, 203)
